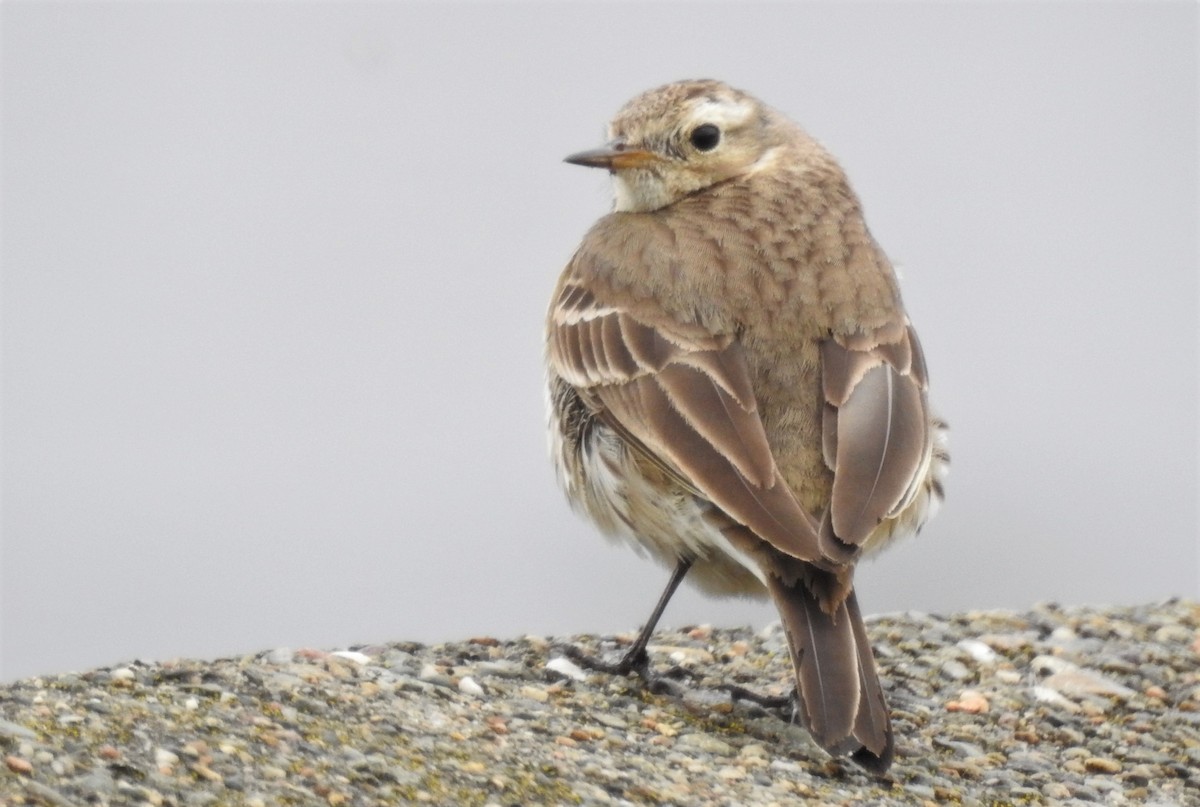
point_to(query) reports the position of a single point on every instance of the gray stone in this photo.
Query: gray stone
(10, 729)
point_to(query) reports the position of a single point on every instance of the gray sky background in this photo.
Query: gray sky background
(274, 278)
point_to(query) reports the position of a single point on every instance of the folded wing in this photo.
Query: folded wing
(876, 430)
(683, 397)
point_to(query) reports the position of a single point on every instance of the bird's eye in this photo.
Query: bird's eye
(705, 137)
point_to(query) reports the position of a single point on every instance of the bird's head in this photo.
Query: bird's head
(681, 138)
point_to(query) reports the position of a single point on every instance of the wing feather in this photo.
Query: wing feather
(734, 431)
(876, 427)
(683, 397)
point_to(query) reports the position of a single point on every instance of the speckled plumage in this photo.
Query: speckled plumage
(733, 381)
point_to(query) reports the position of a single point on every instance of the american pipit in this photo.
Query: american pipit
(735, 387)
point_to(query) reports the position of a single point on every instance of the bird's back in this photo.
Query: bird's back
(779, 261)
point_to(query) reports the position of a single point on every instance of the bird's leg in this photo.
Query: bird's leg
(636, 659)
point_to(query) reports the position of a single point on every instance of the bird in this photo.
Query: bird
(735, 388)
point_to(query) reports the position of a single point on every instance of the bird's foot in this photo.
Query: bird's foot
(635, 661)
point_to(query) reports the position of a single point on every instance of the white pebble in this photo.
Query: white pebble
(164, 758)
(468, 685)
(564, 666)
(352, 655)
(1085, 682)
(978, 650)
(1070, 679)
(1050, 664)
(1051, 696)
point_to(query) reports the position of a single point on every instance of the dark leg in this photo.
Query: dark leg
(636, 660)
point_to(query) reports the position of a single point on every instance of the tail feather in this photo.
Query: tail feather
(839, 697)
(873, 726)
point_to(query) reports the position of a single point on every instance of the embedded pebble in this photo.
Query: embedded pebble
(1053, 696)
(955, 670)
(978, 650)
(682, 655)
(500, 669)
(566, 668)
(1079, 682)
(537, 694)
(1054, 705)
(969, 701)
(11, 729)
(706, 743)
(1056, 790)
(1069, 679)
(468, 686)
(433, 674)
(165, 760)
(122, 674)
(1029, 762)
(352, 655)
(611, 720)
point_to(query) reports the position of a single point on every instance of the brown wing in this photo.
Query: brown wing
(876, 429)
(683, 396)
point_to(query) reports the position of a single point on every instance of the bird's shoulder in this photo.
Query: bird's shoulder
(656, 268)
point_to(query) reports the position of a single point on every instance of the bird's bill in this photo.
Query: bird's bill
(614, 157)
